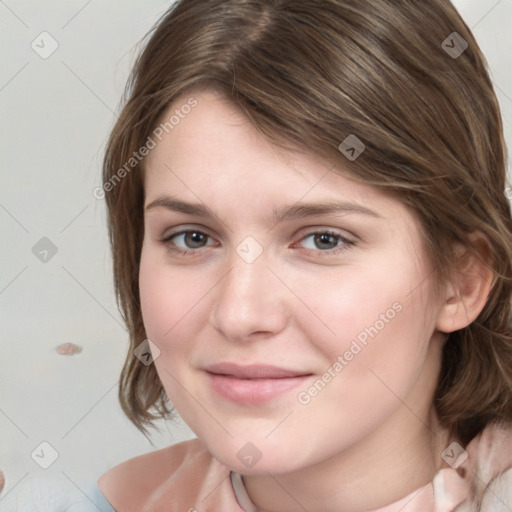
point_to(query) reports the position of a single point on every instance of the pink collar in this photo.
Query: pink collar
(478, 478)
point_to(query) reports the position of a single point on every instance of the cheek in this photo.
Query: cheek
(375, 315)
(377, 352)
(154, 298)
(166, 299)
(349, 304)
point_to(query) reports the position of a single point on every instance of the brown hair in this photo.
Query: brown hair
(309, 73)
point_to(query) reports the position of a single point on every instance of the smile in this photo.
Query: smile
(252, 385)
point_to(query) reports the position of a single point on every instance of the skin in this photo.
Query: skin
(299, 306)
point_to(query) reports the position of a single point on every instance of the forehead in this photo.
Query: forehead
(213, 154)
(214, 140)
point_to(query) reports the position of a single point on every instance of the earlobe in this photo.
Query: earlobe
(466, 295)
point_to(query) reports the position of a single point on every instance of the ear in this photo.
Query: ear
(466, 295)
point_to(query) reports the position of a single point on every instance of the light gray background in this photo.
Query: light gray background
(56, 113)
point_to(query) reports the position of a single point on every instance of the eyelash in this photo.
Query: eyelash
(345, 243)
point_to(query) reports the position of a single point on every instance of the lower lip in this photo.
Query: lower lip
(253, 391)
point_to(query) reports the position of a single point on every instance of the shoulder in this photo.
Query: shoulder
(135, 484)
(483, 479)
(492, 453)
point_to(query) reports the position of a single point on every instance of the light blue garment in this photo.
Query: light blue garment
(41, 493)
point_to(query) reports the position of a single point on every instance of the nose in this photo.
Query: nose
(250, 301)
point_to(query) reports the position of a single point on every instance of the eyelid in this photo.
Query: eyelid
(184, 228)
(319, 228)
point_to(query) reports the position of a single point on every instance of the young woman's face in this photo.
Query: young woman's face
(293, 308)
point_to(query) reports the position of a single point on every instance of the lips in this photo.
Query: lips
(253, 371)
(253, 384)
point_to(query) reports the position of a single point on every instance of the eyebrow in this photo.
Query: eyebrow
(294, 211)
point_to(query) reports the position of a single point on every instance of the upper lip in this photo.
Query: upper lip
(253, 371)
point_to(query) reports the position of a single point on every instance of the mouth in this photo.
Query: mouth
(253, 384)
